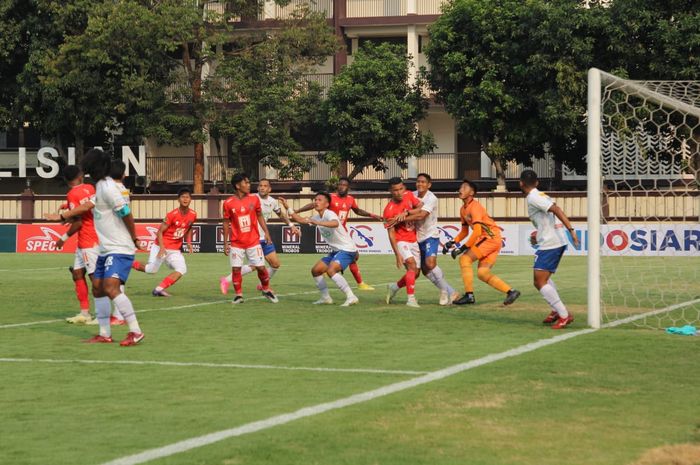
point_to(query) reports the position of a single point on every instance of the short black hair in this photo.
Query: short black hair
(344, 178)
(238, 177)
(471, 184)
(425, 175)
(96, 164)
(183, 190)
(117, 169)
(395, 180)
(529, 178)
(326, 195)
(71, 172)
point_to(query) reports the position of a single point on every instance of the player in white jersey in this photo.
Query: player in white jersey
(343, 250)
(426, 221)
(269, 205)
(551, 241)
(115, 228)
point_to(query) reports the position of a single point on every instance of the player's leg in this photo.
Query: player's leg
(81, 289)
(465, 266)
(546, 263)
(431, 270)
(318, 270)
(176, 262)
(153, 264)
(116, 273)
(102, 304)
(340, 261)
(487, 253)
(355, 270)
(410, 254)
(256, 258)
(236, 262)
(272, 260)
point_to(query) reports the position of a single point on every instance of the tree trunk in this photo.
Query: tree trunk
(198, 168)
(500, 173)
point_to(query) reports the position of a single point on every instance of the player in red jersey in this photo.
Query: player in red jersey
(242, 215)
(176, 227)
(404, 241)
(341, 204)
(88, 245)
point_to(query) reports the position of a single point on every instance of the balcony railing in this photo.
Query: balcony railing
(271, 10)
(429, 7)
(375, 8)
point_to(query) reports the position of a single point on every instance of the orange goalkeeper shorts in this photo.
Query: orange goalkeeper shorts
(487, 249)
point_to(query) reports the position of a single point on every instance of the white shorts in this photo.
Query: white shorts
(173, 258)
(254, 254)
(409, 250)
(86, 259)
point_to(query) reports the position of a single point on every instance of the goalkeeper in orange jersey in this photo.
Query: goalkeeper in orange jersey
(483, 246)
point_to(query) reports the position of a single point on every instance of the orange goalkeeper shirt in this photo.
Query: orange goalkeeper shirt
(474, 215)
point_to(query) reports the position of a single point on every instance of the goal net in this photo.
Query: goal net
(644, 201)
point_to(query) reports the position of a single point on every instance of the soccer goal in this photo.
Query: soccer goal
(643, 201)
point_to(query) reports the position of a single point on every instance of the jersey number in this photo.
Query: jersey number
(244, 223)
(179, 232)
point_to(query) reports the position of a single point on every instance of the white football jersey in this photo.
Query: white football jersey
(337, 238)
(269, 205)
(550, 231)
(428, 227)
(111, 230)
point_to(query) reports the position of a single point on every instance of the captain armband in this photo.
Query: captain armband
(123, 211)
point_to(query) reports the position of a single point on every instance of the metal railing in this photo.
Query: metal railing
(325, 80)
(287, 12)
(375, 8)
(169, 169)
(429, 7)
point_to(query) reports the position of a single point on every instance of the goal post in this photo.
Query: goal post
(643, 201)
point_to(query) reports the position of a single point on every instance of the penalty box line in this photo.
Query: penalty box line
(178, 307)
(248, 428)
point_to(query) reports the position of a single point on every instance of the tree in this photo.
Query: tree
(372, 112)
(511, 74)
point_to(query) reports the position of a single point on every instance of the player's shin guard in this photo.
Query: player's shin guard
(410, 282)
(551, 295)
(492, 280)
(123, 304)
(264, 278)
(103, 310)
(271, 271)
(81, 291)
(342, 284)
(355, 270)
(321, 285)
(437, 277)
(465, 265)
(237, 279)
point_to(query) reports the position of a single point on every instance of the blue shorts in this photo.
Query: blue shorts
(344, 258)
(268, 248)
(548, 260)
(429, 248)
(116, 265)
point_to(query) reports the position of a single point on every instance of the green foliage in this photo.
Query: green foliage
(372, 111)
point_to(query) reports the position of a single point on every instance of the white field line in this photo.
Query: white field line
(35, 269)
(211, 365)
(200, 441)
(180, 307)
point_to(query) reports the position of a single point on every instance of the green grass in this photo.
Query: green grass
(602, 398)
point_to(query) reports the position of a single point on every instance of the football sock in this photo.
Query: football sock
(138, 266)
(355, 270)
(401, 282)
(123, 304)
(410, 282)
(245, 269)
(152, 267)
(271, 271)
(102, 310)
(264, 278)
(321, 285)
(237, 280)
(437, 277)
(551, 295)
(342, 284)
(81, 291)
(166, 283)
(492, 280)
(465, 265)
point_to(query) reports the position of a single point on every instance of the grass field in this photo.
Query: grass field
(605, 397)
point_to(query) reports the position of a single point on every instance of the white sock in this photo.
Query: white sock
(551, 295)
(151, 267)
(229, 278)
(321, 285)
(342, 283)
(271, 271)
(102, 310)
(437, 277)
(123, 304)
(245, 269)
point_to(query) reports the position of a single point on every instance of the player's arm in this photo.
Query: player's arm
(416, 213)
(263, 225)
(227, 231)
(360, 212)
(306, 208)
(66, 215)
(395, 246)
(559, 213)
(74, 228)
(188, 235)
(161, 242)
(282, 213)
(325, 224)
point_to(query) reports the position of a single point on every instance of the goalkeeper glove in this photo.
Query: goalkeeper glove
(448, 245)
(459, 251)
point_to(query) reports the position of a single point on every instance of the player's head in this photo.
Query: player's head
(397, 189)
(73, 175)
(96, 164)
(264, 187)
(241, 183)
(343, 186)
(321, 201)
(184, 196)
(528, 180)
(423, 182)
(117, 170)
(467, 189)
